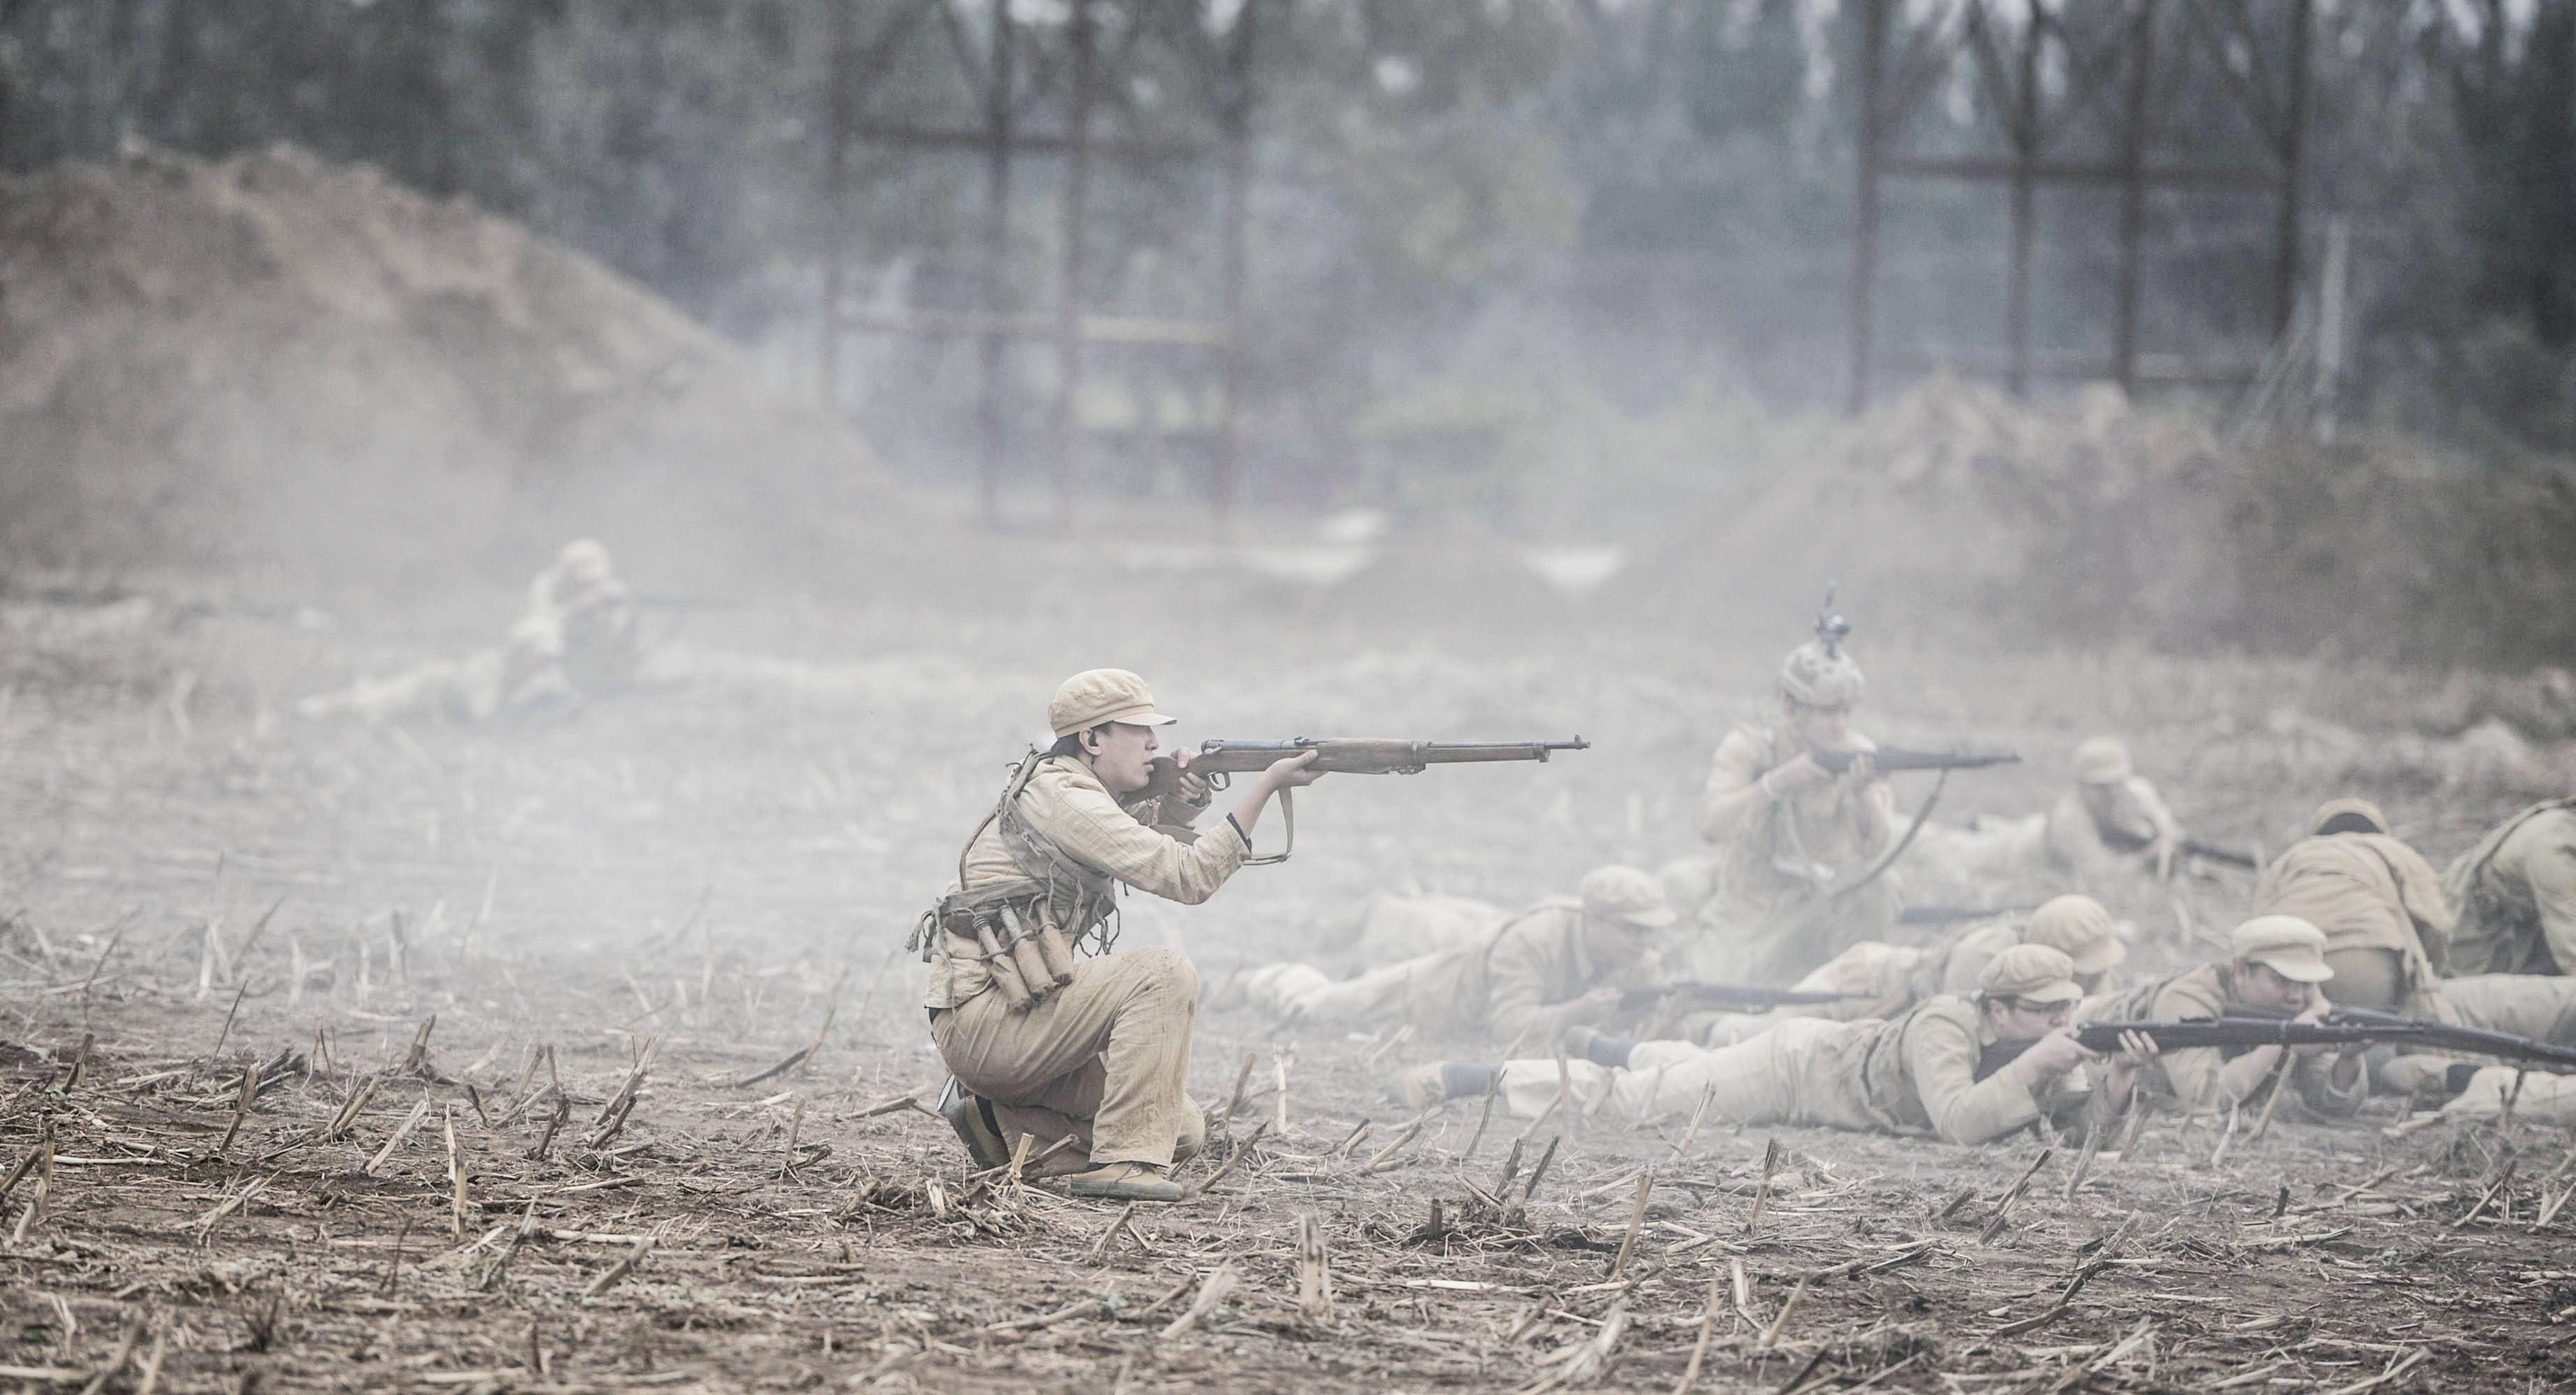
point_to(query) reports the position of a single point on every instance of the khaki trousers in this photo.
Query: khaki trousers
(1881, 971)
(2367, 978)
(1426, 990)
(1761, 1081)
(1104, 1059)
(2544, 1098)
(2524, 1005)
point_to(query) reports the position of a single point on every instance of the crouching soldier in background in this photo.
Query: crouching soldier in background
(2515, 894)
(2378, 902)
(1097, 1051)
(1562, 963)
(1965, 1070)
(1790, 832)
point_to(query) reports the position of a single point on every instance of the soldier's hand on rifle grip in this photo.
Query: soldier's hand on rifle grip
(1862, 770)
(1598, 1005)
(2316, 1011)
(2052, 1055)
(1190, 787)
(1797, 773)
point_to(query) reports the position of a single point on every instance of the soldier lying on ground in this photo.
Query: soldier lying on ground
(1102, 1055)
(2278, 965)
(2515, 894)
(1882, 978)
(1789, 831)
(2111, 824)
(1926, 1070)
(577, 639)
(1557, 964)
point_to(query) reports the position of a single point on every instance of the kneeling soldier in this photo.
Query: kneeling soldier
(1096, 1051)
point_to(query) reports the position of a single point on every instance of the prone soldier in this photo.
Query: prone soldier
(1563, 962)
(2277, 964)
(1966, 1070)
(1876, 978)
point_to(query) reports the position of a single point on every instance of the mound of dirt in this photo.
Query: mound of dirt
(272, 359)
(1962, 512)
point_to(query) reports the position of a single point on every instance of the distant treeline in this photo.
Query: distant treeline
(1632, 205)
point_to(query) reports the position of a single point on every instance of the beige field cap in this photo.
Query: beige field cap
(1101, 695)
(2286, 945)
(2080, 928)
(2034, 972)
(2347, 810)
(1631, 894)
(2103, 761)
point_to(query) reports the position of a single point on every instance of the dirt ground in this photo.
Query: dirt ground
(585, 1051)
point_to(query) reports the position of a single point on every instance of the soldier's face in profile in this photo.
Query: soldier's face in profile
(2262, 986)
(2019, 1019)
(1828, 728)
(1617, 942)
(1122, 756)
(2101, 800)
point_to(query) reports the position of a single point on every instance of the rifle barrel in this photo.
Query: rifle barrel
(1890, 758)
(1371, 755)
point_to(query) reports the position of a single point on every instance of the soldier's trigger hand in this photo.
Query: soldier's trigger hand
(1796, 774)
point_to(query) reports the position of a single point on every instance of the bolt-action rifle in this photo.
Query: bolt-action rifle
(1219, 760)
(1730, 997)
(1892, 758)
(2247, 1027)
(1953, 915)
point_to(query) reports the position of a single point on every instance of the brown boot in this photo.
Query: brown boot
(1125, 1181)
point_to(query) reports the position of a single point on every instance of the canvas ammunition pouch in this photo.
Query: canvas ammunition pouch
(1026, 929)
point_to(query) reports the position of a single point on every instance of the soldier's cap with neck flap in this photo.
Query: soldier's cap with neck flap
(2285, 944)
(1099, 695)
(1628, 894)
(2103, 761)
(2347, 815)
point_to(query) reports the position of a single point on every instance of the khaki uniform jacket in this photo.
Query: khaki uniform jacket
(1067, 804)
(1781, 853)
(1917, 1073)
(2365, 891)
(1954, 966)
(2078, 843)
(2515, 893)
(2198, 1078)
(1537, 964)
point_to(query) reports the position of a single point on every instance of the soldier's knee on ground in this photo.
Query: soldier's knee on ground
(1169, 968)
(1193, 1137)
